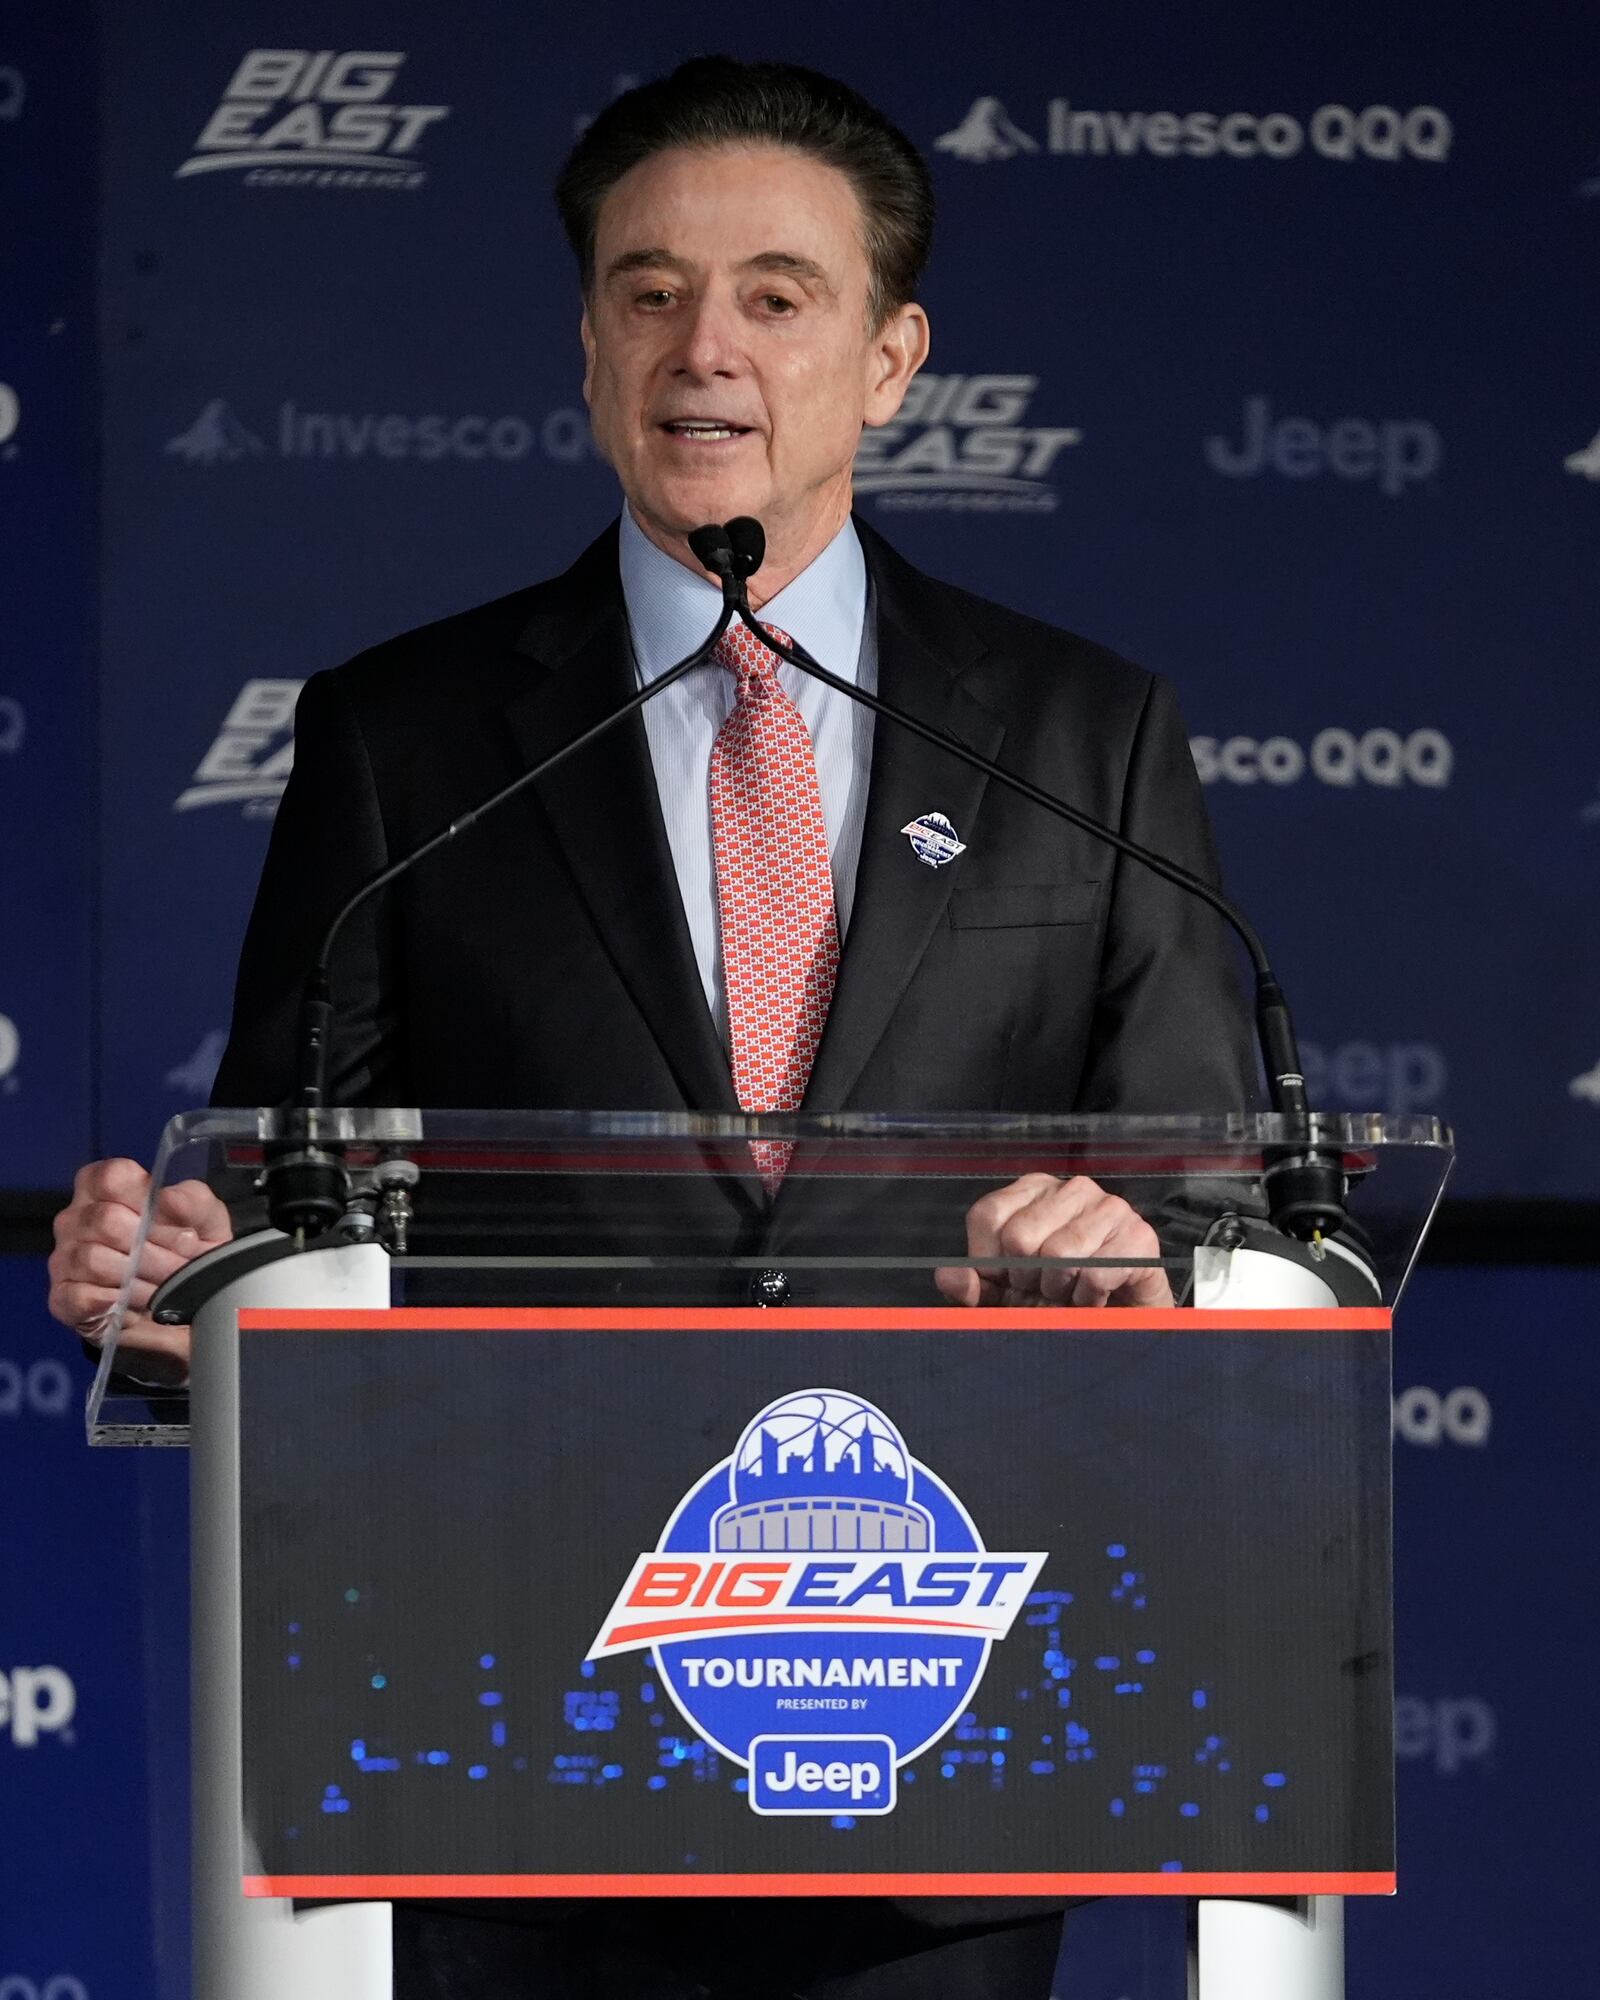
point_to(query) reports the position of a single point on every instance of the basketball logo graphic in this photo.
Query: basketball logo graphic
(820, 1607)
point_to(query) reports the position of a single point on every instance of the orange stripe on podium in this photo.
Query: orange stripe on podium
(386, 1888)
(801, 1319)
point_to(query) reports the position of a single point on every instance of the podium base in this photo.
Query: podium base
(1290, 1950)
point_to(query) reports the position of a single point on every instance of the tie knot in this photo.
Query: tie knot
(750, 663)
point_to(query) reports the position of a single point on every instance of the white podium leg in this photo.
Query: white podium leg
(1270, 1951)
(1249, 1950)
(248, 1948)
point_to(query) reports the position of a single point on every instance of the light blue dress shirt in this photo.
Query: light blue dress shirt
(670, 611)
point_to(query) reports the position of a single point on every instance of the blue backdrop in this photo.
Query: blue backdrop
(1263, 352)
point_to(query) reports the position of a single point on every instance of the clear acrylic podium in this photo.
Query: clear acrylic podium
(809, 1552)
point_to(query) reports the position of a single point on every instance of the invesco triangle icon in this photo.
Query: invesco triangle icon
(820, 1607)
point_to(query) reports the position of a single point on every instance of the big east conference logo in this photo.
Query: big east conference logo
(820, 1606)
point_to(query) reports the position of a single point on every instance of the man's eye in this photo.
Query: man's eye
(655, 298)
(778, 303)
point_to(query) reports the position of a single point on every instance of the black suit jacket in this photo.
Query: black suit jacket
(543, 959)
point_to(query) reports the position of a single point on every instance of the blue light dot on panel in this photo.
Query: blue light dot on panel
(1274, 1778)
(908, 1777)
(1138, 1604)
(1263, 1813)
(1223, 1764)
(1116, 1549)
(739, 1784)
(647, 1692)
(293, 1661)
(294, 1627)
(587, 1670)
(997, 1757)
(611, 1770)
(1000, 1734)
(477, 1770)
(1118, 1808)
(490, 1700)
(291, 1833)
(438, 1756)
(1198, 1698)
(1145, 1657)
(330, 1791)
(1143, 1785)
(658, 1783)
(486, 1660)
(1172, 1867)
(1041, 1767)
(842, 1821)
(1107, 1661)
(561, 1762)
(380, 1680)
(1189, 1810)
(519, 1763)
(497, 1736)
(947, 1770)
(358, 1750)
(352, 1597)
(1130, 1576)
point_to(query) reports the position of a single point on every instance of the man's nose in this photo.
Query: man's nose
(708, 345)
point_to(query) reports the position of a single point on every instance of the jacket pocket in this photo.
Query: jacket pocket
(1022, 905)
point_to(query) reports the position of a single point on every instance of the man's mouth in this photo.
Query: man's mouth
(704, 430)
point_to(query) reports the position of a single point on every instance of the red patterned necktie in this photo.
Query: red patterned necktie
(780, 939)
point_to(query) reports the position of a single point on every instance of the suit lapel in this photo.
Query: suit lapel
(899, 900)
(602, 810)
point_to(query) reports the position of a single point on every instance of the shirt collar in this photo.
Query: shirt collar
(670, 609)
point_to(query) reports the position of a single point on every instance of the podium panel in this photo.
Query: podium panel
(907, 1602)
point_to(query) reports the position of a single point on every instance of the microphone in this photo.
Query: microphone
(306, 1183)
(1304, 1181)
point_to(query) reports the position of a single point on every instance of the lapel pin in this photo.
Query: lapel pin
(933, 839)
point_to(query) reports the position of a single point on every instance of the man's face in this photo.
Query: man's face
(730, 365)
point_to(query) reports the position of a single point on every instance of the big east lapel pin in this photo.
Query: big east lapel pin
(933, 839)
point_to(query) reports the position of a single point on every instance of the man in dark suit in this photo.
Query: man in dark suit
(749, 240)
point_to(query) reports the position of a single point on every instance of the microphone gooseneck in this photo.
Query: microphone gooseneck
(306, 1181)
(1305, 1181)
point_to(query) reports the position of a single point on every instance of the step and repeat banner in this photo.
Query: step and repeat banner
(1263, 353)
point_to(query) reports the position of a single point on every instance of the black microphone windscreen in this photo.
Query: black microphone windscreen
(749, 541)
(712, 548)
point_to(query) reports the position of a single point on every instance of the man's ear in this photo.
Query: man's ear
(898, 350)
(586, 335)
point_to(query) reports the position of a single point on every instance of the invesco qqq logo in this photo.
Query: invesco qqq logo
(315, 118)
(36, 1702)
(1334, 757)
(1333, 131)
(958, 442)
(10, 1050)
(820, 1606)
(218, 436)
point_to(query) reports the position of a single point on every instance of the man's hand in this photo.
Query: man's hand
(94, 1237)
(1040, 1216)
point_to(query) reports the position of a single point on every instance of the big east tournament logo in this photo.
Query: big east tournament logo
(820, 1607)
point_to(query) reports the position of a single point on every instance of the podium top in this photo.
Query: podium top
(667, 1208)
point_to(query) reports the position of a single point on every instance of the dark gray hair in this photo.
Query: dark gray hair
(717, 101)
